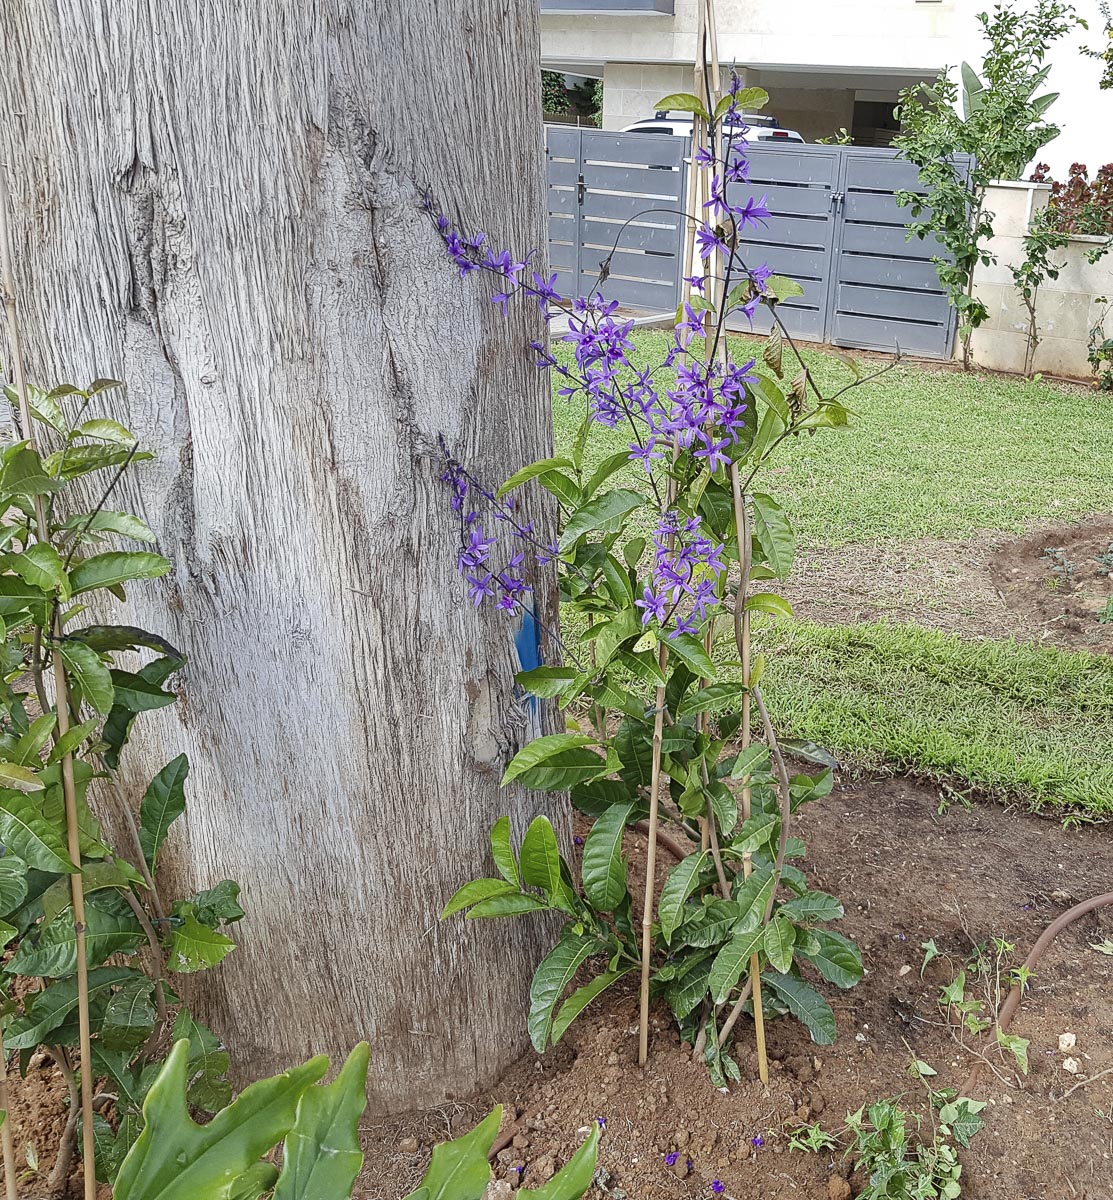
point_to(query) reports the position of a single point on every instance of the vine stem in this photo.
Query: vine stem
(62, 708)
(742, 638)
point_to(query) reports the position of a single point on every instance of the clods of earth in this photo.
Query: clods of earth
(907, 874)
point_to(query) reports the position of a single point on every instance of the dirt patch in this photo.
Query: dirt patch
(992, 585)
(1062, 579)
(906, 874)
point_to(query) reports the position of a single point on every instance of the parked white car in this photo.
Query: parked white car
(758, 128)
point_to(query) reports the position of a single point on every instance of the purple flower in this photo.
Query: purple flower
(578, 840)
(703, 157)
(602, 1122)
(481, 587)
(697, 281)
(753, 212)
(718, 1186)
(477, 549)
(757, 1140)
(671, 1158)
(709, 241)
(656, 607)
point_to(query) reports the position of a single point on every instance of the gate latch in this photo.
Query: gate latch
(581, 191)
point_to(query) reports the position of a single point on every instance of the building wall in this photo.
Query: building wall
(816, 41)
(630, 90)
(1067, 308)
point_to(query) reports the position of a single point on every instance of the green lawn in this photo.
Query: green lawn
(931, 453)
(939, 454)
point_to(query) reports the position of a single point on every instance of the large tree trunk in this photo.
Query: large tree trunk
(219, 205)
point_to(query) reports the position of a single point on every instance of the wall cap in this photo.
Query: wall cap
(1025, 184)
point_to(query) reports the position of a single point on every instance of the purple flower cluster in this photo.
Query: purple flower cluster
(700, 413)
(686, 567)
(505, 585)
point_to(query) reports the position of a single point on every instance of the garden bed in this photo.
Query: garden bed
(907, 874)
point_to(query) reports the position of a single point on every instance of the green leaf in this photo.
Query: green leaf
(540, 858)
(41, 565)
(755, 833)
(633, 550)
(18, 778)
(95, 877)
(218, 905)
(603, 472)
(122, 637)
(1016, 1046)
(502, 851)
(542, 467)
(194, 947)
(460, 1170)
(690, 651)
(89, 673)
(682, 881)
(717, 695)
(554, 973)
(604, 514)
(71, 740)
(13, 883)
(322, 1155)
(129, 1017)
(162, 804)
(546, 681)
(574, 1178)
(780, 937)
(123, 524)
(110, 570)
(813, 906)
(110, 928)
(751, 97)
(754, 760)
(29, 746)
(782, 288)
(209, 1063)
(604, 868)
(176, 1159)
(27, 833)
(81, 460)
(560, 485)
(47, 1010)
(774, 533)
(732, 960)
(17, 595)
(106, 430)
(682, 102)
(961, 1117)
(137, 694)
(838, 960)
(581, 998)
(542, 749)
(478, 889)
(769, 602)
(806, 1005)
(509, 905)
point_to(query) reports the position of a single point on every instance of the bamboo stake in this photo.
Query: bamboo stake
(742, 636)
(11, 1185)
(62, 705)
(693, 200)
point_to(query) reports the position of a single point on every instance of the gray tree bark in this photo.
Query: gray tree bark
(218, 203)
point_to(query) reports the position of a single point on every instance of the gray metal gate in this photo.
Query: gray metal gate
(600, 188)
(834, 227)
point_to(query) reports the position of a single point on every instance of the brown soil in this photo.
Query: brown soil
(993, 585)
(1062, 578)
(906, 874)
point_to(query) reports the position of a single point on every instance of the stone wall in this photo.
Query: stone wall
(1067, 308)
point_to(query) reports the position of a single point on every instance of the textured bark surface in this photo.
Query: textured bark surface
(218, 204)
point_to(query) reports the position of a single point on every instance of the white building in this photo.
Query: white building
(825, 63)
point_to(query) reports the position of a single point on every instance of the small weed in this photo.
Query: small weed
(887, 1143)
(1105, 617)
(1062, 568)
(1105, 561)
(975, 995)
